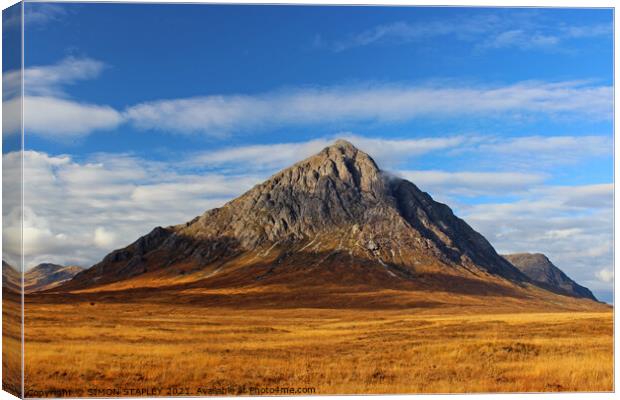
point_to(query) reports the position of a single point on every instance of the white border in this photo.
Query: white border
(446, 3)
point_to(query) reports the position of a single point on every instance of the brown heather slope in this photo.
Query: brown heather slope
(331, 231)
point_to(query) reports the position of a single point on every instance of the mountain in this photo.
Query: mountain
(10, 278)
(42, 277)
(332, 223)
(542, 271)
(46, 276)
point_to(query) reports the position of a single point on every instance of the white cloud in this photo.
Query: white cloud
(103, 238)
(446, 184)
(397, 32)
(562, 233)
(485, 31)
(526, 157)
(586, 31)
(49, 80)
(386, 152)
(218, 115)
(598, 196)
(47, 109)
(595, 145)
(12, 116)
(36, 15)
(55, 117)
(50, 112)
(605, 275)
(11, 83)
(536, 152)
(191, 186)
(465, 29)
(77, 211)
(521, 39)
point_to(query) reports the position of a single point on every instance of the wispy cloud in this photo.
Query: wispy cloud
(36, 15)
(521, 39)
(534, 156)
(218, 115)
(544, 37)
(485, 31)
(399, 32)
(538, 152)
(48, 109)
(50, 80)
(385, 151)
(448, 184)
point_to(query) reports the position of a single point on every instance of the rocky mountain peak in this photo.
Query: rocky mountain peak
(345, 144)
(341, 161)
(334, 188)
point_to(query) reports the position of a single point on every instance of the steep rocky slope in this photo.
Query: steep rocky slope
(542, 271)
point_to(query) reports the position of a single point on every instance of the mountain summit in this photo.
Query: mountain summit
(332, 219)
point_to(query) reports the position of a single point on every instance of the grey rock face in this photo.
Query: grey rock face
(541, 270)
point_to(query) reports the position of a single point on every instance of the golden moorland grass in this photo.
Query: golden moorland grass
(122, 346)
(11, 342)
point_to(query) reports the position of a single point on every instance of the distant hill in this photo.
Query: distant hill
(10, 278)
(47, 276)
(541, 270)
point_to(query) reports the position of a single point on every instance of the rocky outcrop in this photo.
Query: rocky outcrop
(542, 271)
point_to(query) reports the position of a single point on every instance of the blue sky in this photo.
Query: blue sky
(163, 111)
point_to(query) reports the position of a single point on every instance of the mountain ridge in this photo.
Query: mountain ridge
(43, 276)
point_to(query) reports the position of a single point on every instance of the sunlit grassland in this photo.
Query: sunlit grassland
(82, 346)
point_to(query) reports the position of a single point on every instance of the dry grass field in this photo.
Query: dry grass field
(11, 342)
(89, 345)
